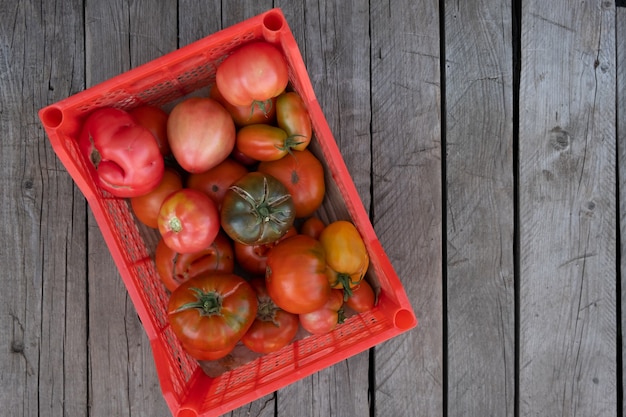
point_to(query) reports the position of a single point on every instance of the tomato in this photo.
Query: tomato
(211, 312)
(146, 207)
(253, 258)
(264, 142)
(257, 209)
(296, 275)
(346, 255)
(155, 119)
(303, 175)
(175, 268)
(121, 154)
(273, 328)
(216, 180)
(246, 115)
(293, 117)
(326, 318)
(253, 73)
(201, 133)
(188, 221)
(313, 227)
(362, 298)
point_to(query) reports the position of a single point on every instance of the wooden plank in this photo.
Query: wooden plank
(42, 253)
(407, 197)
(334, 42)
(567, 209)
(123, 379)
(480, 186)
(620, 36)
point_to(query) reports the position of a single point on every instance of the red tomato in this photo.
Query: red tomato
(303, 175)
(175, 268)
(313, 227)
(155, 119)
(246, 115)
(325, 319)
(273, 328)
(123, 155)
(255, 72)
(264, 142)
(293, 117)
(362, 298)
(253, 258)
(211, 312)
(146, 207)
(201, 133)
(296, 275)
(188, 221)
(242, 158)
(216, 180)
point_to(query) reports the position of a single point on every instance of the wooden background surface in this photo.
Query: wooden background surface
(486, 138)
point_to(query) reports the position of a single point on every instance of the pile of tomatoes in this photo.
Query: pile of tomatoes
(229, 183)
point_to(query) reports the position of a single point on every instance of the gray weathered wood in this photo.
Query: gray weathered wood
(123, 381)
(567, 209)
(620, 36)
(479, 179)
(407, 197)
(42, 233)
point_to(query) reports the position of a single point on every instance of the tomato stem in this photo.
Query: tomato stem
(175, 224)
(207, 303)
(346, 282)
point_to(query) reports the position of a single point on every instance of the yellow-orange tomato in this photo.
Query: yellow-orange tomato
(347, 259)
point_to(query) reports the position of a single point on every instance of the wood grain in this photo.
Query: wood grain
(407, 197)
(480, 185)
(620, 36)
(567, 209)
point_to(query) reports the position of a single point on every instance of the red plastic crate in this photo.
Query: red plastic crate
(188, 391)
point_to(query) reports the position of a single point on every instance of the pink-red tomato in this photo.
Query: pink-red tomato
(146, 207)
(201, 133)
(216, 180)
(326, 318)
(188, 221)
(303, 175)
(253, 258)
(155, 119)
(273, 328)
(253, 73)
(121, 154)
(175, 268)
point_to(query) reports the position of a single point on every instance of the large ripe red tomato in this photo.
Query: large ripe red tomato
(216, 180)
(253, 73)
(296, 275)
(155, 119)
(121, 154)
(201, 133)
(264, 142)
(303, 175)
(188, 221)
(293, 117)
(326, 318)
(257, 209)
(175, 268)
(346, 255)
(146, 207)
(211, 312)
(273, 328)
(246, 115)
(253, 258)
